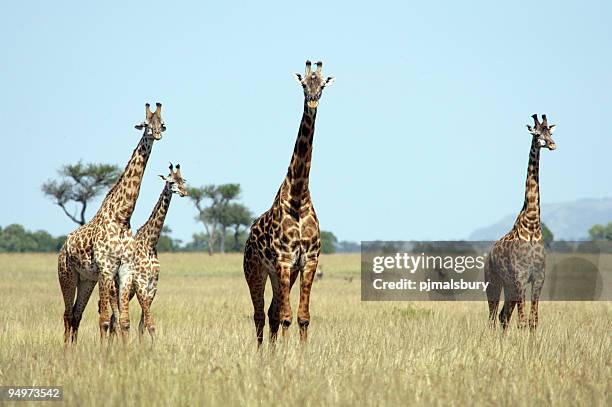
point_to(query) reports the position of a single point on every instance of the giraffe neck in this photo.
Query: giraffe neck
(295, 185)
(151, 230)
(528, 223)
(120, 201)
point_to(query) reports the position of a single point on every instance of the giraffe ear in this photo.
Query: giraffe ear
(163, 178)
(329, 81)
(298, 78)
(530, 129)
(552, 128)
(140, 126)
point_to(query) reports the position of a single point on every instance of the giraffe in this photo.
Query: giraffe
(146, 264)
(285, 240)
(101, 250)
(518, 258)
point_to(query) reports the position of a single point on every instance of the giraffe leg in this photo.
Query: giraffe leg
(506, 313)
(149, 321)
(68, 282)
(114, 316)
(146, 321)
(137, 289)
(84, 290)
(114, 307)
(141, 326)
(111, 328)
(294, 273)
(274, 310)
(283, 271)
(256, 280)
(146, 317)
(150, 295)
(493, 293)
(140, 296)
(536, 289)
(533, 315)
(511, 297)
(306, 279)
(125, 277)
(274, 318)
(107, 270)
(520, 307)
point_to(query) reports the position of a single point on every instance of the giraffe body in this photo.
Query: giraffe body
(102, 250)
(519, 257)
(143, 283)
(284, 242)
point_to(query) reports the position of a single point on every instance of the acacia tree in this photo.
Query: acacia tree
(328, 242)
(547, 235)
(212, 201)
(166, 243)
(601, 232)
(236, 215)
(80, 183)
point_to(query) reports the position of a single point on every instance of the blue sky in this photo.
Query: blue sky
(422, 136)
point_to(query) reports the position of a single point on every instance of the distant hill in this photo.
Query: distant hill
(567, 220)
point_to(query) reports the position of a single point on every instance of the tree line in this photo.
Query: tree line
(601, 232)
(15, 238)
(225, 220)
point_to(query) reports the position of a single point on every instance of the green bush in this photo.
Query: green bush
(15, 238)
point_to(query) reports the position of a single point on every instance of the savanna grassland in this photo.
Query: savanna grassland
(359, 353)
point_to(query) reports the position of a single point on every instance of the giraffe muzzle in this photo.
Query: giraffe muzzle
(313, 104)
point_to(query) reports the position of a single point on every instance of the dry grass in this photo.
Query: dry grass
(359, 353)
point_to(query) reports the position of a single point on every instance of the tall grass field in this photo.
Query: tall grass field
(359, 353)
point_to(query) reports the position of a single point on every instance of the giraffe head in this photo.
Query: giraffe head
(154, 124)
(175, 181)
(313, 83)
(543, 132)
